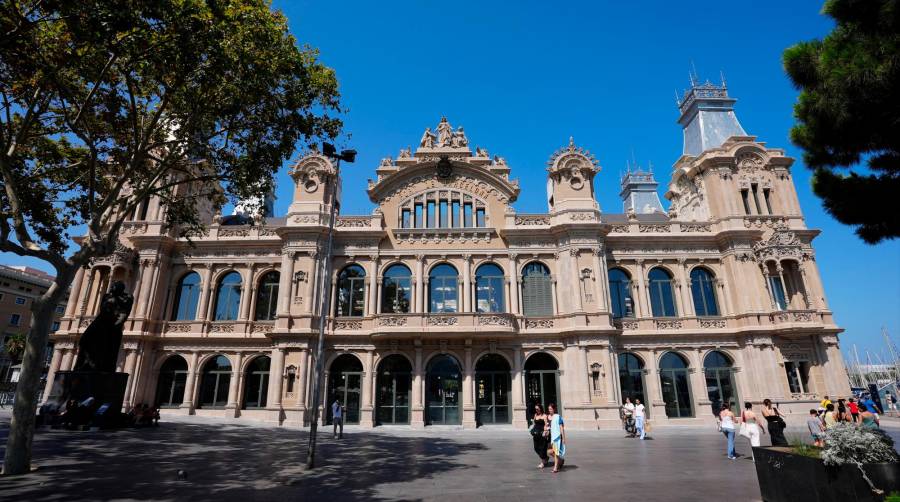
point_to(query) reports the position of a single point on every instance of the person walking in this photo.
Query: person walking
(751, 428)
(337, 419)
(842, 414)
(815, 427)
(868, 420)
(775, 421)
(639, 418)
(557, 437)
(854, 410)
(539, 434)
(872, 408)
(829, 418)
(891, 400)
(628, 417)
(726, 423)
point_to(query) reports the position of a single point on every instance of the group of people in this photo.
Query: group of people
(750, 426)
(142, 415)
(634, 416)
(548, 432)
(864, 413)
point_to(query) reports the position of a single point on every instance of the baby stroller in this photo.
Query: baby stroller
(630, 427)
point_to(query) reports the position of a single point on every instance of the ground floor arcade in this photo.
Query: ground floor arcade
(469, 383)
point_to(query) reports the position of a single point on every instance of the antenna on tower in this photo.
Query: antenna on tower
(722, 76)
(677, 98)
(693, 74)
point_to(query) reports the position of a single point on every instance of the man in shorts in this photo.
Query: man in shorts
(815, 427)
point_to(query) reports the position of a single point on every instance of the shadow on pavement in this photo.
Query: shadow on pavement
(225, 462)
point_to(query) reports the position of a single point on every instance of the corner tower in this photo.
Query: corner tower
(707, 117)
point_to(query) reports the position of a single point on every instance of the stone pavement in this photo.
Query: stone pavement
(233, 461)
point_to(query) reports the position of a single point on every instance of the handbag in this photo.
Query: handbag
(744, 430)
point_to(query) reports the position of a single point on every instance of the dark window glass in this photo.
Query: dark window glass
(467, 215)
(755, 188)
(171, 383)
(479, 218)
(778, 292)
(228, 297)
(396, 290)
(662, 293)
(745, 197)
(620, 293)
(631, 377)
(703, 290)
(406, 219)
(214, 385)
(444, 214)
(489, 288)
(443, 289)
(456, 214)
(673, 376)
(768, 200)
(351, 292)
(431, 214)
(267, 297)
(420, 216)
(720, 386)
(256, 387)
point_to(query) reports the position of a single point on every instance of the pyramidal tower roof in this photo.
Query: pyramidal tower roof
(707, 117)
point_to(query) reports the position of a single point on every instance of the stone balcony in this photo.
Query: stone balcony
(787, 319)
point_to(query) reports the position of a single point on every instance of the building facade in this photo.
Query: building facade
(19, 286)
(449, 307)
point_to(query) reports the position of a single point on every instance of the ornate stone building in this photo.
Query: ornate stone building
(449, 307)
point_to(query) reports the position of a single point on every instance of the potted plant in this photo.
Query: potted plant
(856, 464)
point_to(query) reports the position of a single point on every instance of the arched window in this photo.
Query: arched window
(662, 293)
(396, 290)
(720, 387)
(443, 289)
(214, 386)
(537, 290)
(673, 377)
(489, 292)
(171, 383)
(228, 297)
(631, 377)
(492, 386)
(703, 289)
(267, 297)
(187, 296)
(620, 293)
(443, 208)
(777, 287)
(256, 387)
(351, 292)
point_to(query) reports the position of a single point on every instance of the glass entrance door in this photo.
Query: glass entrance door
(394, 384)
(542, 388)
(345, 387)
(492, 396)
(442, 386)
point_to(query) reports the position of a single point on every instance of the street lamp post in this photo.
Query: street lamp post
(329, 151)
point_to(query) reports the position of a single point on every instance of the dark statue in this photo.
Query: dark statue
(98, 349)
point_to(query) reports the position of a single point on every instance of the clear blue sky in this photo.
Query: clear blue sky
(521, 77)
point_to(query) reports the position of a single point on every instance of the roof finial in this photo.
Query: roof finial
(693, 74)
(722, 76)
(571, 142)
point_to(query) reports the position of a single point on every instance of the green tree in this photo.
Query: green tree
(14, 346)
(848, 114)
(108, 102)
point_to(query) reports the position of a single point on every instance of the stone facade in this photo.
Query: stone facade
(492, 310)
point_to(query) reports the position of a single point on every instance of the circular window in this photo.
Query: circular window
(576, 182)
(310, 186)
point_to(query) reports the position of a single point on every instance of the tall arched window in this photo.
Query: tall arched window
(776, 286)
(537, 290)
(631, 376)
(351, 292)
(267, 297)
(676, 391)
(214, 386)
(703, 289)
(396, 290)
(256, 387)
(620, 293)
(187, 296)
(171, 383)
(443, 289)
(662, 293)
(720, 386)
(489, 293)
(228, 297)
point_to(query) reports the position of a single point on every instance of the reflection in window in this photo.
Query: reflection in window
(351, 292)
(673, 377)
(228, 297)
(214, 386)
(443, 209)
(797, 375)
(267, 297)
(443, 289)
(256, 387)
(489, 293)
(620, 293)
(396, 290)
(662, 293)
(187, 296)
(703, 291)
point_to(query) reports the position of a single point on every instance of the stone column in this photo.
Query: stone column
(585, 374)
(467, 284)
(419, 293)
(333, 303)
(189, 402)
(285, 278)
(643, 305)
(576, 278)
(130, 361)
(366, 417)
(234, 399)
(247, 288)
(653, 392)
(144, 301)
(374, 289)
(518, 391)
(600, 282)
(686, 297)
(276, 380)
(418, 407)
(787, 293)
(699, 394)
(809, 299)
(554, 295)
(85, 296)
(205, 291)
(67, 359)
(72, 303)
(468, 391)
(312, 293)
(51, 373)
(137, 292)
(513, 284)
(303, 373)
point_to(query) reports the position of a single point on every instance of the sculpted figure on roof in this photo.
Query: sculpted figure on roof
(428, 138)
(444, 133)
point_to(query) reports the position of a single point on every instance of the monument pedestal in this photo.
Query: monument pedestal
(107, 388)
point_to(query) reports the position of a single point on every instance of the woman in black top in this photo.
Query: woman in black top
(775, 422)
(539, 434)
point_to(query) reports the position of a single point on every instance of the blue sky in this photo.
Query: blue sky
(522, 77)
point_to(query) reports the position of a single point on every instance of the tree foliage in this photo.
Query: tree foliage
(848, 114)
(14, 346)
(108, 102)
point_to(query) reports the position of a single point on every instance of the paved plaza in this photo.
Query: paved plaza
(234, 461)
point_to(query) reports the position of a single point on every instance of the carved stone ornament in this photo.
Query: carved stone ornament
(391, 321)
(353, 222)
(538, 323)
(441, 321)
(532, 220)
(781, 244)
(713, 323)
(674, 324)
(221, 328)
(494, 320)
(347, 325)
(178, 327)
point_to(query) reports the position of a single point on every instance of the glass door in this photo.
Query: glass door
(393, 399)
(542, 387)
(492, 393)
(346, 388)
